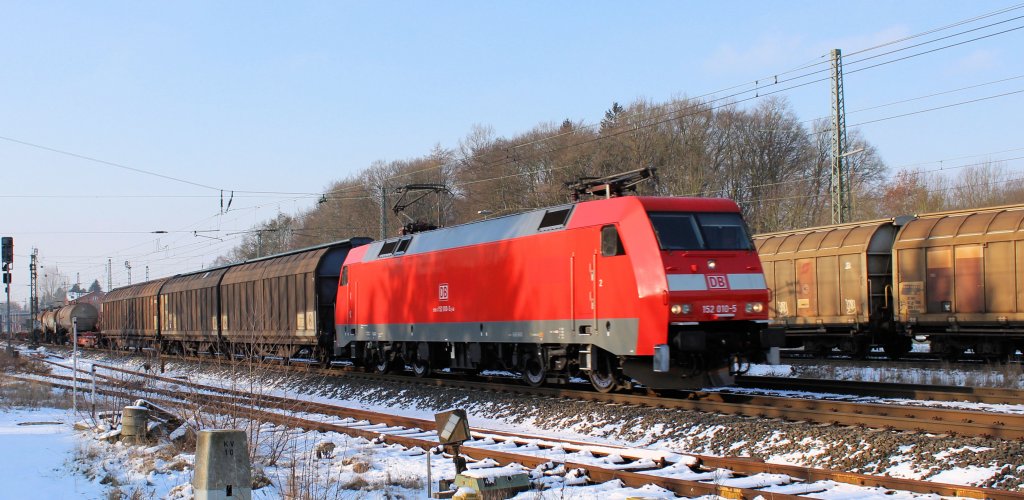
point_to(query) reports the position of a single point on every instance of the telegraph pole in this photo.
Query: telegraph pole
(110, 272)
(128, 266)
(383, 212)
(841, 192)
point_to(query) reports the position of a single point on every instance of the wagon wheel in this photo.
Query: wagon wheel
(534, 374)
(897, 347)
(380, 363)
(605, 375)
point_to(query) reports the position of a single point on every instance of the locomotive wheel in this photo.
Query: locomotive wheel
(420, 368)
(378, 363)
(604, 377)
(534, 374)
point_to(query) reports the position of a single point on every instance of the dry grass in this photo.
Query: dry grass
(21, 364)
(360, 464)
(15, 394)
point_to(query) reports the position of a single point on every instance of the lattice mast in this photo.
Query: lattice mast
(840, 184)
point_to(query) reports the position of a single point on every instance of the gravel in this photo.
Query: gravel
(852, 449)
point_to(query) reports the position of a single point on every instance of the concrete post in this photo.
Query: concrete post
(134, 420)
(222, 466)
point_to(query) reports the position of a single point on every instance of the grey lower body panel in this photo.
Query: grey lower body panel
(618, 336)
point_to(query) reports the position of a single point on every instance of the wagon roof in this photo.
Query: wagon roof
(147, 289)
(847, 238)
(983, 223)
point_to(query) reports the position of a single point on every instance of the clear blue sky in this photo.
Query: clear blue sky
(289, 96)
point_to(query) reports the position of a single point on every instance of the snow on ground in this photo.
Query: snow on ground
(38, 445)
(938, 458)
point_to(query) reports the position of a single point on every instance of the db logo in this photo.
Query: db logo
(442, 291)
(717, 281)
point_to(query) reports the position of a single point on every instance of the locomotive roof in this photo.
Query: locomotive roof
(550, 219)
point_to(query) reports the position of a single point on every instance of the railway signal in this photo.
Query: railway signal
(7, 257)
(452, 431)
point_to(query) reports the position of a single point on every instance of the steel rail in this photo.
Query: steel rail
(913, 418)
(744, 465)
(887, 389)
(596, 474)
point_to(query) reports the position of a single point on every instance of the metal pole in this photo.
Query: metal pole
(74, 364)
(93, 369)
(10, 333)
(430, 486)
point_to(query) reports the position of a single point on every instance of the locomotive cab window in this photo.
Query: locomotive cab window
(611, 245)
(700, 231)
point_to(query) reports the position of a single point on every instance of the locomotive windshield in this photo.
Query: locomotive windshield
(700, 231)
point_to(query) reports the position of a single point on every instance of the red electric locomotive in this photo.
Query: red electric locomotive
(668, 292)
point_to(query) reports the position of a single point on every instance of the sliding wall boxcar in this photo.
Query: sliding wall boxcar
(130, 315)
(962, 270)
(283, 303)
(829, 279)
(190, 311)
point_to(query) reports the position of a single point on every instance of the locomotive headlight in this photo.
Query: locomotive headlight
(686, 308)
(754, 307)
(712, 264)
(676, 309)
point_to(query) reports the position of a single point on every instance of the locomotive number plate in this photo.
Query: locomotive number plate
(719, 309)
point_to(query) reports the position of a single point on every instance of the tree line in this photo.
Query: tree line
(775, 166)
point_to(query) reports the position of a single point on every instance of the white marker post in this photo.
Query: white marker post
(74, 363)
(93, 369)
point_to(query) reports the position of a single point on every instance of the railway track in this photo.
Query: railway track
(686, 475)
(922, 392)
(897, 417)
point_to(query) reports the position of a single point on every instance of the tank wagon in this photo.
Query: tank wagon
(86, 316)
(665, 291)
(953, 278)
(57, 324)
(48, 322)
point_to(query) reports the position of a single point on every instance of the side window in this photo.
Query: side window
(611, 245)
(403, 245)
(344, 275)
(554, 218)
(387, 249)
